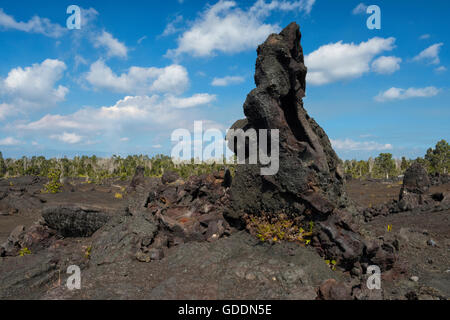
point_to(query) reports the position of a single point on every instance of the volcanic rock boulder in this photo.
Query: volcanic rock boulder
(184, 210)
(161, 214)
(19, 195)
(416, 179)
(37, 237)
(438, 179)
(138, 178)
(309, 175)
(414, 196)
(169, 177)
(121, 238)
(75, 220)
(191, 210)
(416, 184)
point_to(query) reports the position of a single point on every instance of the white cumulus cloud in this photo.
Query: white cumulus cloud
(171, 79)
(116, 124)
(226, 81)
(401, 94)
(67, 137)
(114, 47)
(35, 25)
(9, 141)
(386, 65)
(5, 110)
(341, 61)
(351, 145)
(223, 27)
(190, 102)
(430, 54)
(34, 86)
(133, 112)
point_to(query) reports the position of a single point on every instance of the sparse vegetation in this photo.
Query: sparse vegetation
(24, 251)
(280, 228)
(2, 165)
(439, 158)
(87, 253)
(331, 264)
(53, 185)
(96, 170)
(385, 164)
(436, 160)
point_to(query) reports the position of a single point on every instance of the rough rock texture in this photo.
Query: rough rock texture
(309, 175)
(138, 178)
(20, 196)
(439, 179)
(333, 290)
(186, 210)
(35, 238)
(169, 177)
(236, 267)
(121, 239)
(415, 185)
(163, 214)
(416, 179)
(414, 196)
(75, 220)
(309, 183)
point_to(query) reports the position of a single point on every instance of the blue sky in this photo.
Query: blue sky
(137, 70)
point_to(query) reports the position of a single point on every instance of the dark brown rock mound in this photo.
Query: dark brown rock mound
(416, 184)
(75, 220)
(169, 177)
(309, 175)
(138, 178)
(438, 179)
(37, 237)
(416, 179)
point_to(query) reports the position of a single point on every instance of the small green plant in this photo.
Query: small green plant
(277, 229)
(87, 253)
(53, 185)
(24, 251)
(331, 264)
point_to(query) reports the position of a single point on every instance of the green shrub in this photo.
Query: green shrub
(280, 228)
(53, 185)
(24, 251)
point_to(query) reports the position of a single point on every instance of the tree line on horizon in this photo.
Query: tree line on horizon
(94, 169)
(384, 166)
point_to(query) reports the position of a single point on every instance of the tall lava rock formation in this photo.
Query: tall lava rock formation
(309, 176)
(309, 184)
